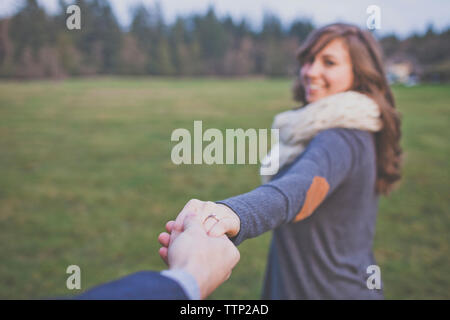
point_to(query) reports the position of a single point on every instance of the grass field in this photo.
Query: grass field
(86, 178)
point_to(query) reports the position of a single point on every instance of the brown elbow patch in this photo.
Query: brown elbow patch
(314, 196)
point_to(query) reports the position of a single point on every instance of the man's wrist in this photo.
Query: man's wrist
(186, 280)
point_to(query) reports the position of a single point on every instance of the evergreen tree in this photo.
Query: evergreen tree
(301, 29)
(29, 28)
(36, 44)
(211, 36)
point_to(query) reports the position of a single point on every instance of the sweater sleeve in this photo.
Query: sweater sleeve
(298, 189)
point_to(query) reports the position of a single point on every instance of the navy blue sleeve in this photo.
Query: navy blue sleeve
(143, 285)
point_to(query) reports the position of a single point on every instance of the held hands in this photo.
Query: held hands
(217, 219)
(209, 260)
(196, 242)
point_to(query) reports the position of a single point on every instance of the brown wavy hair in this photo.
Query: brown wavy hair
(369, 79)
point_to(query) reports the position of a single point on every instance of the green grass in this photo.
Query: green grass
(86, 178)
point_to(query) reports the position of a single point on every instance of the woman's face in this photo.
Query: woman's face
(329, 72)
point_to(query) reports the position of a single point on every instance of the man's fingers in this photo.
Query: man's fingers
(192, 222)
(164, 239)
(178, 224)
(169, 226)
(163, 255)
(190, 207)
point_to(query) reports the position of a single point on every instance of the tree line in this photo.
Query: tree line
(34, 44)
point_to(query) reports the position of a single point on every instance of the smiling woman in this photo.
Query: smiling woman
(322, 204)
(342, 57)
(329, 72)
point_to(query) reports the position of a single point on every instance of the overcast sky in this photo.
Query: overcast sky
(400, 16)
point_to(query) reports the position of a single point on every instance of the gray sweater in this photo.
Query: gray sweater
(322, 208)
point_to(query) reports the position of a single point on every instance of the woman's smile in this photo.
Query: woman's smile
(314, 89)
(329, 72)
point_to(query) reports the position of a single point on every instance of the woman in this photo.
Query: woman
(322, 204)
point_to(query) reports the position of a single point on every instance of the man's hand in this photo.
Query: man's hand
(209, 259)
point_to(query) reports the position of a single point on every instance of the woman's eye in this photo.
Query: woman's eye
(329, 63)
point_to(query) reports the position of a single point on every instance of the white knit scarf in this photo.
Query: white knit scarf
(350, 109)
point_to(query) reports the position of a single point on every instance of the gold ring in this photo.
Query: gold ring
(212, 216)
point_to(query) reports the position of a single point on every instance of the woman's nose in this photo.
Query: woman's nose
(312, 70)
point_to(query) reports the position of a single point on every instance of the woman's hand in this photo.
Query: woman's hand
(217, 220)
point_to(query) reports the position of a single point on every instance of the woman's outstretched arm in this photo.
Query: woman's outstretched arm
(299, 189)
(292, 195)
